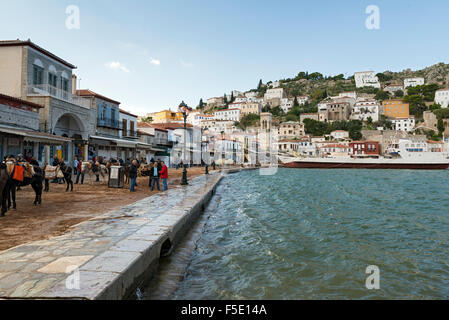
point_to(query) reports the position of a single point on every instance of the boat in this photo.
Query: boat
(404, 156)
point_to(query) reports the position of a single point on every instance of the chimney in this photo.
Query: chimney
(73, 84)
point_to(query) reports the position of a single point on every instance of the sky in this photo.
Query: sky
(150, 55)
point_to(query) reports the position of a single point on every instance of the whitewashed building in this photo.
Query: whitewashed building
(351, 94)
(307, 148)
(286, 104)
(302, 100)
(366, 79)
(236, 105)
(218, 126)
(393, 88)
(241, 100)
(365, 109)
(277, 93)
(251, 94)
(228, 114)
(195, 118)
(404, 124)
(413, 82)
(340, 135)
(442, 97)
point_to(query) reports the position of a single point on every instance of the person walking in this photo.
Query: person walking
(55, 163)
(164, 175)
(75, 166)
(154, 177)
(79, 172)
(133, 175)
(96, 169)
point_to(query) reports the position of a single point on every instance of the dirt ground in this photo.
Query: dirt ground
(60, 210)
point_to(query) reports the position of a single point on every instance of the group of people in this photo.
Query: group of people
(158, 171)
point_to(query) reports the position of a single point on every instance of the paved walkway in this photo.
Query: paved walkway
(91, 257)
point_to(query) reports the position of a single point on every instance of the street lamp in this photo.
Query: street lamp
(185, 110)
(206, 132)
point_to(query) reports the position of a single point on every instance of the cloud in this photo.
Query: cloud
(155, 62)
(117, 66)
(186, 64)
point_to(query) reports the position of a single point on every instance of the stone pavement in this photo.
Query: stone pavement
(105, 257)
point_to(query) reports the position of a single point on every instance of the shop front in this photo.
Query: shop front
(30, 144)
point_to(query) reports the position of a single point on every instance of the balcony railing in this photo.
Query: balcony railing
(109, 123)
(129, 134)
(48, 90)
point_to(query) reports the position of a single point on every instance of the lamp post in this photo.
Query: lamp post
(206, 132)
(184, 109)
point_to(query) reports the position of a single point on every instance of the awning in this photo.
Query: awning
(119, 142)
(147, 146)
(35, 136)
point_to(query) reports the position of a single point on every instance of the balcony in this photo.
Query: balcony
(129, 134)
(48, 90)
(109, 123)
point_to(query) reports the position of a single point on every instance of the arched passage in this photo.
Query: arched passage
(70, 125)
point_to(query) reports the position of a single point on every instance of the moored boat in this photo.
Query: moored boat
(405, 156)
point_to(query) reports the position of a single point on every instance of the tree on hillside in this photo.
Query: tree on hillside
(417, 104)
(260, 85)
(147, 120)
(295, 102)
(315, 128)
(384, 123)
(427, 91)
(266, 108)
(291, 117)
(384, 77)
(440, 126)
(434, 107)
(319, 95)
(201, 104)
(232, 97)
(225, 100)
(248, 121)
(277, 111)
(316, 76)
(382, 95)
(399, 94)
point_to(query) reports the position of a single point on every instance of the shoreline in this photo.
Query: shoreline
(113, 254)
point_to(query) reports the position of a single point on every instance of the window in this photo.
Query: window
(52, 80)
(125, 126)
(38, 75)
(65, 84)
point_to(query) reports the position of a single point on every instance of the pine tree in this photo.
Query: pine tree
(295, 102)
(260, 85)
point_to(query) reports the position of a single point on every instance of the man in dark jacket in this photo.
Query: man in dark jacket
(133, 175)
(55, 163)
(154, 177)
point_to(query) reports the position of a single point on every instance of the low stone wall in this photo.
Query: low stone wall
(108, 257)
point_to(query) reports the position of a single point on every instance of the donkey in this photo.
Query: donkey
(67, 172)
(35, 181)
(3, 188)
